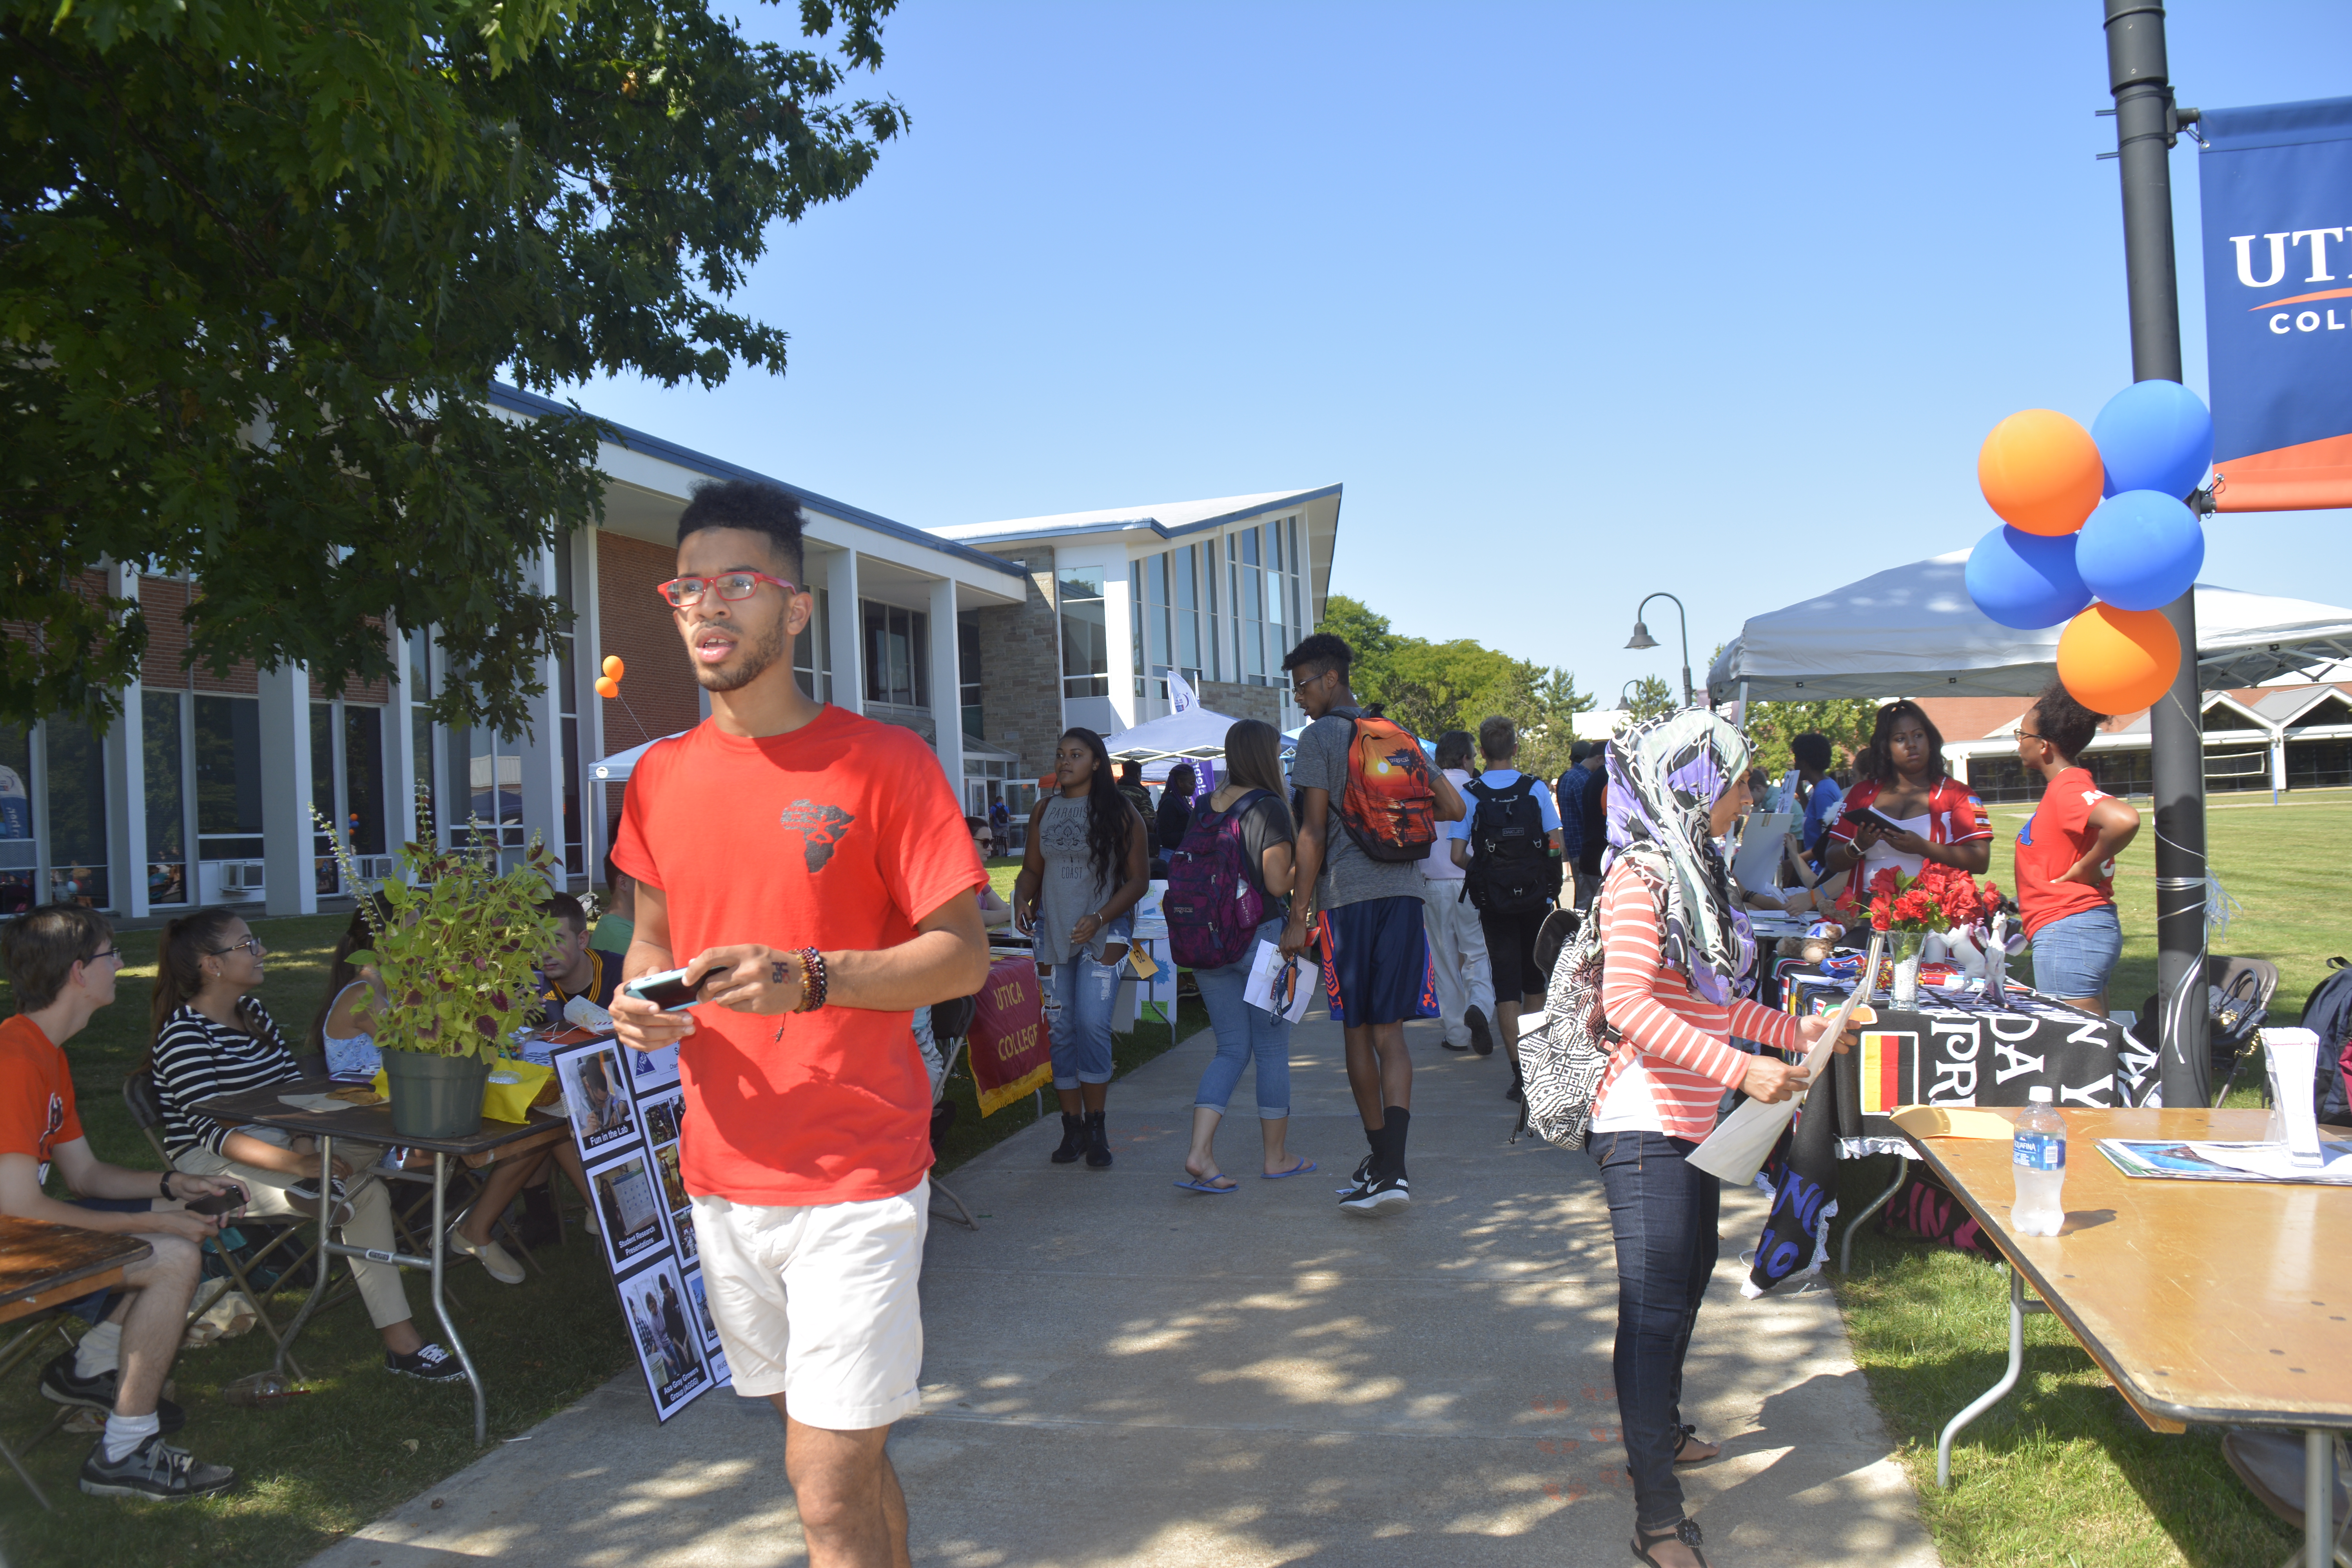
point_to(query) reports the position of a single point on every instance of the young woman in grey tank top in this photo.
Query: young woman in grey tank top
(1083, 869)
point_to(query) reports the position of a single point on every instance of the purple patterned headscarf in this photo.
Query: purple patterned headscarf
(1665, 776)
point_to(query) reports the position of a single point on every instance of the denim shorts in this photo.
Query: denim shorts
(2074, 957)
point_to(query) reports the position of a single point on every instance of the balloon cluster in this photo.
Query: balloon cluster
(2095, 534)
(608, 685)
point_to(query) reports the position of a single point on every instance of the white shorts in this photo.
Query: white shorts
(820, 1303)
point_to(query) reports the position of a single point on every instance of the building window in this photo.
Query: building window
(229, 779)
(812, 651)
(77, 769)
(421, 821)
(967, 678)
(167, 814)
(328, 876)
(1085, 632)
(1167, 620)
(19, 857)
(898, 656)
(492, 790)
(567, 706)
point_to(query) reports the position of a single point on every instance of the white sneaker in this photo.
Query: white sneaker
(495, 1260)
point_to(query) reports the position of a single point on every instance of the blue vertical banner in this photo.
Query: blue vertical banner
(2276, 185)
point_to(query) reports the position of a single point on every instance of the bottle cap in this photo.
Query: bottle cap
(2038, 1096)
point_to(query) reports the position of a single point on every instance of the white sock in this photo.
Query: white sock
(124, 1433)
(100, 1351)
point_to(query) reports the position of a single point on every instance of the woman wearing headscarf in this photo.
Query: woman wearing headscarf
(1677, 962)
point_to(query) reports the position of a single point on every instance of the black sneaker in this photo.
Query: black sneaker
(1380, 1192)
(154, 1469)
(1512, 1093)
(428, 1363)
(1362, 1173)
(60, 1386)
(1482, 1040)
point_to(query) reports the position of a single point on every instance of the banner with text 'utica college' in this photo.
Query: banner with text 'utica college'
(2277, 194)
(1009, 1052)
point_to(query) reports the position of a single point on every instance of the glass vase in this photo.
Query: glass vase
(1904, 946)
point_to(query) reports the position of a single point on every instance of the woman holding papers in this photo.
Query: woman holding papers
(1677, 963)
(1249, 816)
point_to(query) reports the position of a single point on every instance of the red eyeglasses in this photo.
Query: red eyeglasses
(684, 593)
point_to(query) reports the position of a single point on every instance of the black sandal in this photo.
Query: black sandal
(1683, 1437)
(1684, 1530)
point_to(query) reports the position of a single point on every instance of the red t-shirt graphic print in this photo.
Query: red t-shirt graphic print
(839, 836)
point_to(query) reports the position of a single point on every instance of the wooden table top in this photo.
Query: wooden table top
(367, 1123)
(41, 1264)
(2217, 1301)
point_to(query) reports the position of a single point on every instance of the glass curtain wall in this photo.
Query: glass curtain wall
(1085, 632)
(161, 738)
(1167, 631)
(1262, 566)
(19, 852)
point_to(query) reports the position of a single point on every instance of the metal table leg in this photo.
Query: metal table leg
(440, 1307)
(1845, 1246)
(328, 1251)
(2018, 1307)
(2322, 1542)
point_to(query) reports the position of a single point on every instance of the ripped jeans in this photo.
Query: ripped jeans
(1078, 996)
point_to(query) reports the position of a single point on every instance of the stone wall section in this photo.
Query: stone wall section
(1021, 667)
(1238, 700)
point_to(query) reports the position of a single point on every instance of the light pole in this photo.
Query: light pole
(1642, 640)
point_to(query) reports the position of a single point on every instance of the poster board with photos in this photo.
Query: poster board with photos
(628, 1110)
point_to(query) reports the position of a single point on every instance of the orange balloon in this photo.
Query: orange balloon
(606, 686)
(2117, 661)
(2040, 471)
(614, 667)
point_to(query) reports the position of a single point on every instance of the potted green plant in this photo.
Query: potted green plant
(456, 952)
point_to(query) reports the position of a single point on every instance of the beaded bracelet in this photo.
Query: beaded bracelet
(812, 980)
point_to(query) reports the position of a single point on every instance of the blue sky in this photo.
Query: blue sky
(1579, 302)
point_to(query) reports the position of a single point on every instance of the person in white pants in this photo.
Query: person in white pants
(1457, 944)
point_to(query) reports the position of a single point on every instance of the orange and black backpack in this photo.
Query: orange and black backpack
(1388, 807)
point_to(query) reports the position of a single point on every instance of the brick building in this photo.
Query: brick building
(986, 645)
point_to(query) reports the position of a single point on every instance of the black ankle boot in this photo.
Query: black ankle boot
(1097, 1142)
(1073, 1139)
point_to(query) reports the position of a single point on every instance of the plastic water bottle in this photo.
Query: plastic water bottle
(2037, 1161)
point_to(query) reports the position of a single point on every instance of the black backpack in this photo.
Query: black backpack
(1511, 868)
(2328, 1013)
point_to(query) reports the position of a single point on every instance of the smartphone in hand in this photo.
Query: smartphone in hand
(668, 991)
(215, 1205)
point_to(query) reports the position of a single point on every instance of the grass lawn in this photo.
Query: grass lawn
(360, 1441)
(2062, 1472)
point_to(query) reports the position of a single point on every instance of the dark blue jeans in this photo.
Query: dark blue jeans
(1664, 1213)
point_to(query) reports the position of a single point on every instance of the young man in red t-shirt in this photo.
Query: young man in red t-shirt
(2066, 856)
(62, 961)
(808, 870)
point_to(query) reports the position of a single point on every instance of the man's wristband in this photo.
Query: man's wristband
(812, 980)
(166, 1183)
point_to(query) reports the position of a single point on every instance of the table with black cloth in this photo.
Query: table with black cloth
(1951, 1048)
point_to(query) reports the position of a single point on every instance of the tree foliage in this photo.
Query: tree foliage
(1650, 696)
(1432, 686)
(1845, 722)
(259, 263)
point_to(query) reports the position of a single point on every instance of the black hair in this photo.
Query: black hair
(2064, 722)
(1191, 781)
(1108, 811)
(1578, 751)
(752, 506)
(1454, 749)
(565, 908)
(1810, 751)
(1883, 754)
(1323, 651)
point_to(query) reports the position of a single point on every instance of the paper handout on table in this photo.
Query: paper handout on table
(1738, 1149)
(1284, 986)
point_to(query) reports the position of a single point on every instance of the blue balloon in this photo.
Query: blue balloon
(2026, 580)
(2140, 551)
(2154, 435)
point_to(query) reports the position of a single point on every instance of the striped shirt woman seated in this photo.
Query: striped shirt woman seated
(213, 1038)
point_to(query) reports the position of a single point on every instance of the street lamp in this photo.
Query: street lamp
(1643, 639)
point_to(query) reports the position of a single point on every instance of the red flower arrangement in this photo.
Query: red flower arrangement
(1938, 899)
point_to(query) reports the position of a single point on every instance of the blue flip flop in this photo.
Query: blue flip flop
(1193, 1184)
(1299, 1170)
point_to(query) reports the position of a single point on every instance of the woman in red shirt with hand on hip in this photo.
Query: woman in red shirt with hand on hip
(2066, 856)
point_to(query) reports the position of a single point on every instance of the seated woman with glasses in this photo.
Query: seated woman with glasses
(993, 911)
(213, 1038)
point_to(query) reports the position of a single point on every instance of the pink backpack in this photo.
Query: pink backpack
(1212, 906)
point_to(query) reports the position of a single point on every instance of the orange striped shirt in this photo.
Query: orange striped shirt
(1682, 1040)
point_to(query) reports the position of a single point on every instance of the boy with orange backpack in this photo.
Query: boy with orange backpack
(1369, 778)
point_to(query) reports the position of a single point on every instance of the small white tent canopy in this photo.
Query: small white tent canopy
(617, 768)
(1194, 733)
(1913, 631)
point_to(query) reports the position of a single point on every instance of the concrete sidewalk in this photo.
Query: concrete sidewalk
(1121, 1372)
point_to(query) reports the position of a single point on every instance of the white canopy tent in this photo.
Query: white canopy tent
(1912, 631)
(1194, 732)
(617, 768)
